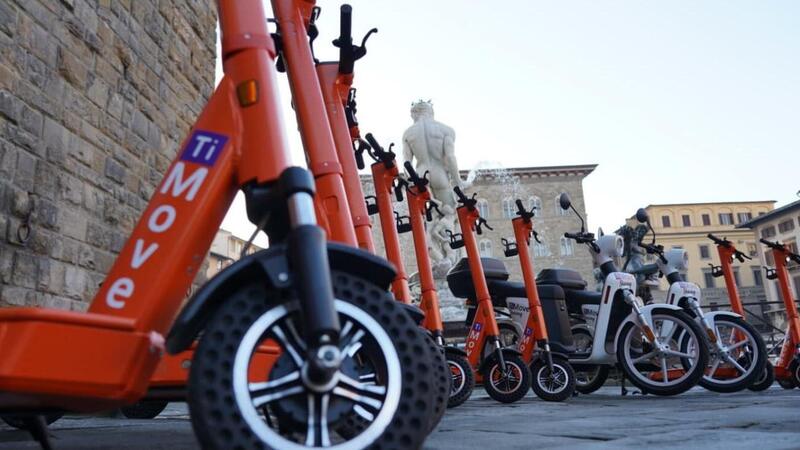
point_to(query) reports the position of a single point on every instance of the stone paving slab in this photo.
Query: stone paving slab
(604, 420)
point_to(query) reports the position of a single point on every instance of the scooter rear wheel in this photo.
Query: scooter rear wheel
(556, 386)
(510, 386)
(238, 402)
(462, 379)
(588, 381)
(765, 380)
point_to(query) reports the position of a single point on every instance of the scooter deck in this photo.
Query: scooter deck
(71, 360)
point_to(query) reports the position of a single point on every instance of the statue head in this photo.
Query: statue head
(421, 108)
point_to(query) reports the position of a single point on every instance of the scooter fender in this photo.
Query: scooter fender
(647, 312)
(449, 349)
(270, 266)
(711, 317)
(507, 351)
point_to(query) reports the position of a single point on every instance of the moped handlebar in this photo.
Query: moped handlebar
(583, 238)
(349, 53)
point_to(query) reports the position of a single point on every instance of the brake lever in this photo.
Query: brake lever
(359, 152)
(398, 188)
(431, 206)
(536, 237)
(481, 222)
(313, 31)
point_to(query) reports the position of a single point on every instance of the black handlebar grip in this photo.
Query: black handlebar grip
(412, 174)
(460, 194)
(373, 143)
(345, 40)
(520, 206)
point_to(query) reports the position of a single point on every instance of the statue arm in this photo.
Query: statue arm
(408, 154)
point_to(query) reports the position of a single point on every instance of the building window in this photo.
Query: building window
(677, 247)
(757, 280)
(483, 208)
(509, 211)
(744, 217)
(485, 247)
(769, 258)
(792, 246)
(535, 203)
(566, 247)
(752, 250)
(704, 253)
(768, 232)
(786, 226)
(687, 221)
(708, 278)
(706, 220)
(541, 249)
(726, 218)
(559, 210)
(665, 222)
(736, 277)
(797, 287)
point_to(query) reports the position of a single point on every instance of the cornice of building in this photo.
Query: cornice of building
(579, 170)
(772, 215)
(755, 202)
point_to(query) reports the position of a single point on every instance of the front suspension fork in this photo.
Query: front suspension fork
(498, 349)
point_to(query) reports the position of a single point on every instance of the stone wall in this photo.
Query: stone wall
(95, 97)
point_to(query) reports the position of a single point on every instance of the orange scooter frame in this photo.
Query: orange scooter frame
(787, 367)
(113, 350)
(504, 374)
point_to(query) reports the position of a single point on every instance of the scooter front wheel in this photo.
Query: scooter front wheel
(241, 397)
(661, 367)
(510, 385)
(554, 385)
(462, 379)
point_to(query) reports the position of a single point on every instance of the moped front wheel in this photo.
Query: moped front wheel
(660, 367)
(554, 385)
(736, 359)
(240, 399)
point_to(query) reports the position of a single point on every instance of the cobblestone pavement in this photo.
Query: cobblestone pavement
(604, 420)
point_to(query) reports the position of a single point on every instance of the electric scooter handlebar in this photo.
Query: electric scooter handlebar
(522, 212)
(464, 200)
(349, 53)
(727, 244)
(377, 152)
(781, 247)
(419, 182)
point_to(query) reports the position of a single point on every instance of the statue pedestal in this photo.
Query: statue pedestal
(452, 308)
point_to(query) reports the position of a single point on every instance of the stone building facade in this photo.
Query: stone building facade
(225, 250)
(95, 97)
(497, 190)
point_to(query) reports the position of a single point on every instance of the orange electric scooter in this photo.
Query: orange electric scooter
(727, 254)
(282, 296)
(504, 374)
(420, 207)
(787, 367)
(385, 175)
(553, 377)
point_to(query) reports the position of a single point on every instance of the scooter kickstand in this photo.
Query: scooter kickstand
(37, 426)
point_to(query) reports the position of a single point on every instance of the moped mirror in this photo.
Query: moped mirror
(641, 216)
(564, 201)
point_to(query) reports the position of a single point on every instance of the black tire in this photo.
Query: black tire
(441, 381)
(765, 380)
(19, 422)
(552, 388)
(794, 367)
(595, 379)
(224, 414)
(145, 409)
(509, 387)
(757, 368)
(462, 378)
(691, 375)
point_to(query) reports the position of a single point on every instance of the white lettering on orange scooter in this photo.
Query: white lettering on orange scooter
(159, 221)
(121, 289)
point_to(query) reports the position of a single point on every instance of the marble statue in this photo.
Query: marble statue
(430, 146)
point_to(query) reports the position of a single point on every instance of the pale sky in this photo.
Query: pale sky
(678, 102)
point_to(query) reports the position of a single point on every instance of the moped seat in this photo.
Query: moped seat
(505, 289)
(576, 297)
